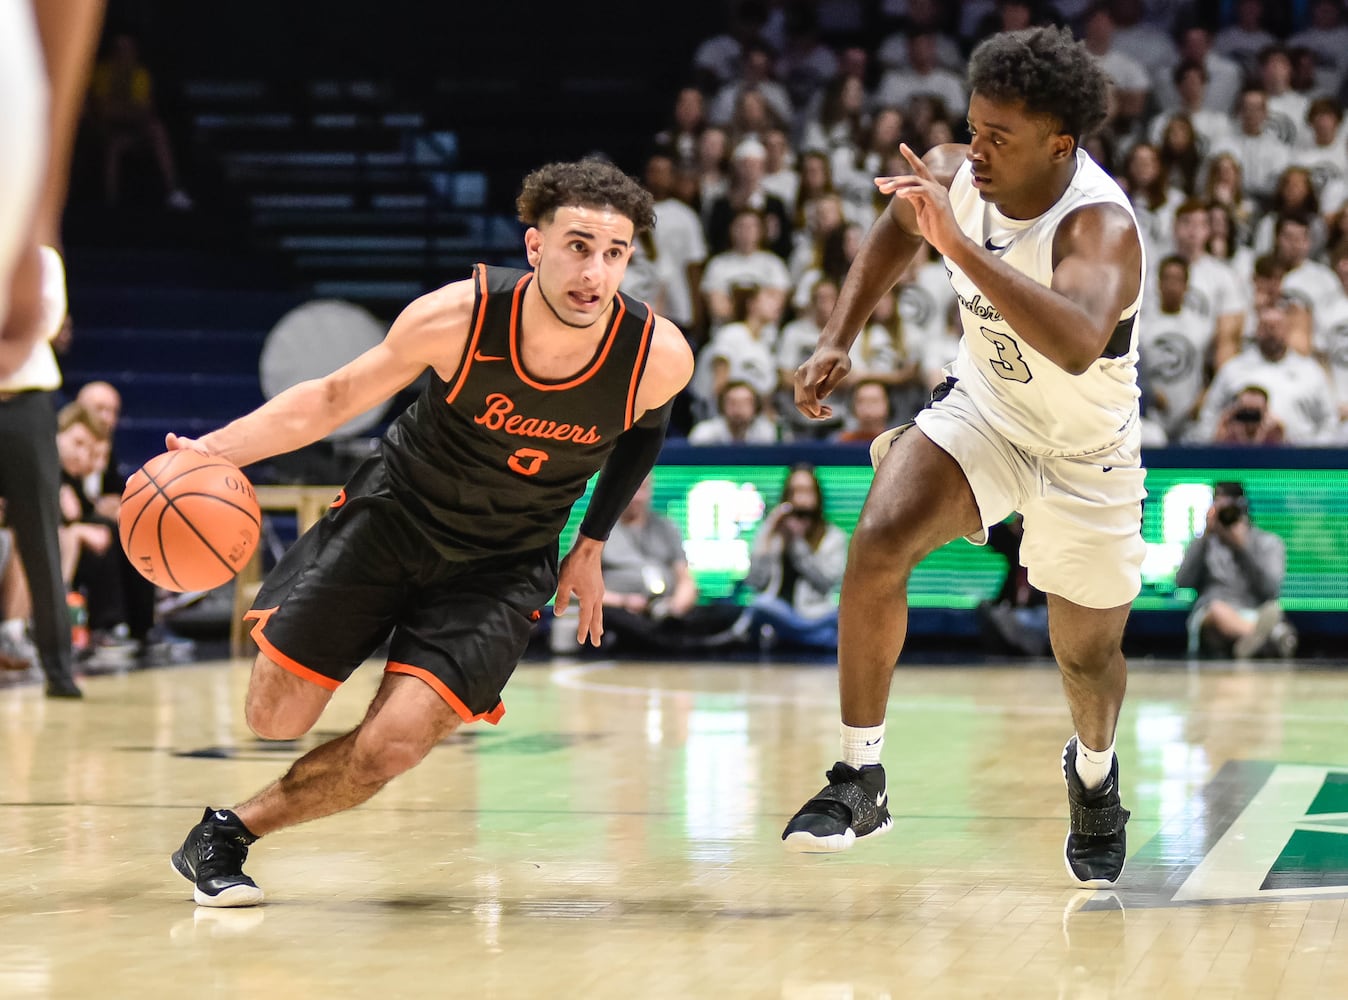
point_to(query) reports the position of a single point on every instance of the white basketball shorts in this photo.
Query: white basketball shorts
(1083, 516)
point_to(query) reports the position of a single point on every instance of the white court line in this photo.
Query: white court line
(573, 676)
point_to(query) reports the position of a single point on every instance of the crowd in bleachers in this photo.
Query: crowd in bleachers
(1226, 129)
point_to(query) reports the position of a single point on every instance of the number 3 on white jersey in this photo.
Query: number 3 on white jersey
(1009, 362)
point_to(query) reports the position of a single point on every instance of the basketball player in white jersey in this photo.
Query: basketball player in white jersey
(1039, 414)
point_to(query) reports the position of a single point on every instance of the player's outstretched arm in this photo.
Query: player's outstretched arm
(668, 369)
(886, 251)
(431, 332)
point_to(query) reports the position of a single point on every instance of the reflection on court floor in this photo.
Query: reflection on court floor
(618, 835)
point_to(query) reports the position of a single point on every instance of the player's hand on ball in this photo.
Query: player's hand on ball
(175, 442)
(818, 377)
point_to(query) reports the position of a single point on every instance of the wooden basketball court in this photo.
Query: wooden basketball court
(617, 836)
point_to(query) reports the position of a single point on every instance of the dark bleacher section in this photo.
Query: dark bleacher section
(336, 151)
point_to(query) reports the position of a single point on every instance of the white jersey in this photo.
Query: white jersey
(1038, 406)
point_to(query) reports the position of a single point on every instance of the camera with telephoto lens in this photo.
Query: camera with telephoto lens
(1229, 514)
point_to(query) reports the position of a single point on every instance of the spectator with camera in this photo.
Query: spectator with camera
(1237, 570)
(1248, 420)
(796, 566)
(1298, 391)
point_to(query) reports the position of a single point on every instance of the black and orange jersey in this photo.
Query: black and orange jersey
(492, 460)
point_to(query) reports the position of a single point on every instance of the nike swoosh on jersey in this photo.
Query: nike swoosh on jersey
(993, 248)
(479, 356)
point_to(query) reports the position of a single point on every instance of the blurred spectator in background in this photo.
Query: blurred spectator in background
(679, 241)
(122, 109)
(1224, 184)
(1297, 389)
(1255, 144)
(744, 351)
(1209, 124)
(650, 598)
(1144, 40)
(739, 419)
(1331, 343)
(104, 486)
(1286, 107)
(1237, 570)
(871, 413)
(1305, 281)
(1016, 620)
(1223, 75)
(1326, 38)
(754, 77)
(1325, 156)
(796, 567)
(1153, 198)
(1181, 159)
(1132, 85)
(748, 167)
(744, 266)
(921, 73)
(806, 63)
(1174, 349)
(1214, 290)
(717, 59)
(1246, 38)
(679, 140)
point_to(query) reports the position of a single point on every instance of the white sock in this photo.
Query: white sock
(15, 628)
(861, 744)
(1093, 766)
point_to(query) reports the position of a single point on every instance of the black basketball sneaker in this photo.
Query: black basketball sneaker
(212, 857)
(1096, 844)
(853, 805)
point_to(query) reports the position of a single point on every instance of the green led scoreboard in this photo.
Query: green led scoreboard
(719, 504)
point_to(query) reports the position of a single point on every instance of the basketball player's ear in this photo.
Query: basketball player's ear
(533, 245)
(1063, 146)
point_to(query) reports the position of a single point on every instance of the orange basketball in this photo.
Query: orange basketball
(189, 521)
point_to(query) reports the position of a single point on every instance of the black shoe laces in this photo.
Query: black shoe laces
(221, 853)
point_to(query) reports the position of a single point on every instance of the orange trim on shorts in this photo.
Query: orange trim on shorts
(438, 686)
(481, 307)
(279, 658)
(640, 366)
(585, 375)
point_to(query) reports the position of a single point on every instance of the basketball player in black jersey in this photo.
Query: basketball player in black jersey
(448, 537)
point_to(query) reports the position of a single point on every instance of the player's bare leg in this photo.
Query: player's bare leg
(404, 722)
(919, 501)
(1087, 644)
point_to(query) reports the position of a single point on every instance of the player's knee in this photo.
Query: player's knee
(279, 705)
(273, 722)
(882, 548)
(1085, 660)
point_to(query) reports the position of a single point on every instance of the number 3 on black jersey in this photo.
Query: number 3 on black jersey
(1009, 362)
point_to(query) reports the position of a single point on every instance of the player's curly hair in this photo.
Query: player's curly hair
(1049, 71)
(589, 183)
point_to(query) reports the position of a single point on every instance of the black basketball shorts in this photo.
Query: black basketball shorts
(365, 570)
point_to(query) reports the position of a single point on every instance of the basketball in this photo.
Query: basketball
(189, 521)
